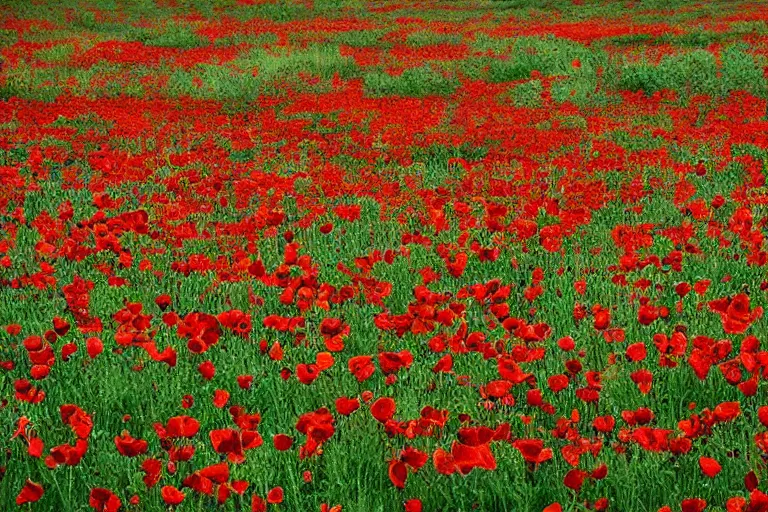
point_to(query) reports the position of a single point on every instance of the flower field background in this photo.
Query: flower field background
(381, 256)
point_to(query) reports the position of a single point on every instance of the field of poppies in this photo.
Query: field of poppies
(378, 256)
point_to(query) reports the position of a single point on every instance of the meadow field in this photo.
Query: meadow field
(337, 255)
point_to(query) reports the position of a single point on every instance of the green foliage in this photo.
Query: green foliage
(740, 71)
(359, 38)
(416, 82)
(55, 54)
(696, 72)
(172, 35)
(549, 56)
(527, 94)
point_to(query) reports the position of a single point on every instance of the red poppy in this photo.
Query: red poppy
(171, 495)
(735, 313)
(467, 457)
(383, 409)
(413, 505)
(693, 505)
(346, 406)
(398, 472)
(228, 441)
(130, 447)
(282, 442)
(361, 367)
(574, 479)
(307, 373)
(30, 493)
(604, 423)
(207, 370)
(318, 427)
(709, 466)
(220, 398)
(152, 469)
(636, 352)
(557, 383)
(275, 495)
(443, 461)
(94, 347)
(258, 504)
(533, 450)
(163, 301)
(727, 411)
(643, 378)
(391, 362)
(104, 500)
(245, 381)
(762, 415)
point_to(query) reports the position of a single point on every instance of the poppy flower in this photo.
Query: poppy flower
(398, 472)
(35, 447)
(604, 423)
(693, 505)
(94, 347)
(318, 427)
(599, 472)
(602, 317)
(229, 442)
(207, 370)
(443, 461)
(282, 442)
(324, 361)
(275, 495)
(391, 362)
(566, 343)
(307, 373)
(574, 479)
(245, 381)
(557, 383)
(220, 398)
(258, 504)
(383, 409)
(30, 493)
(533, 450)
(104, 500)
(39, 371)
(735, 313)
(636, 352)
(762, 415)
(468, 457)
(709, 466)
(727, 411)
(163, 301)
(413, 505)
(346, 406)
(152, 469)
(127, 446)
(643, 378)
(444, 364)
(171, 495)
(80, 422)
(236, 321)
(276, 352)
